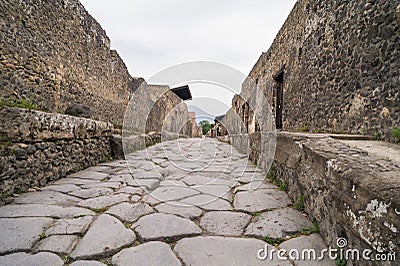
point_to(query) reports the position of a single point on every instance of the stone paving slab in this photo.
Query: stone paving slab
(208, 202)
(20, 234)
(87, 263)
(261, 200)
(60, 244)
(104, 201)
(198, 180)
(129, 212)
(34, 210)
(220, 191)
(62, 188)
(151, 253)
(148, 175)
(70, 226)
(225, 223)
(172, 183)
(255, 185)
(147, 184)
(161, 226)
(103, 169)
(46, 197)
(25, 259)
(247, 177)
(172, 193)
(301, 243)
(106, 236)
(222, 251)
(91, 192)
(74, 181)
(89, 174)
(176, 208)
(107, 184)
(279, 224)
(131, 190)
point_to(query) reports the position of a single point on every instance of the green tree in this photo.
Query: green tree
(205, 125)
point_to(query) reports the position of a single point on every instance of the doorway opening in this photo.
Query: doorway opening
(279, 99)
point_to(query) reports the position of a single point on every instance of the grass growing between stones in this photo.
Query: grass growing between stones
(106, 261)
(339, 132)
(5, 143)
(304, 128)
(100, 210)
(340, 262)
(5, 140)
(67, 259)
(5, 194)
(20, 190)
(316, 228)
(23, 103)
(42, 236)
(77, 169)
(309, 231)
(299, 204)
(273, 241)
(378, 136)
(387, 159)
(106, 158)
(282, 185)
(396, 133)
(127, 225)
(276, 181)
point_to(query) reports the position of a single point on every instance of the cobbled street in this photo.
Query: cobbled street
(182, 202)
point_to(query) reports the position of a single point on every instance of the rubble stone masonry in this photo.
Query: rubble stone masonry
(54, 54)
(340, 63)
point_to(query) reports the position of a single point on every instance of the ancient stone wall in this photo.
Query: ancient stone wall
(38, 147)
(339, 61)
(168, 113)
(193, 130)
(54, 54)
(351, 193)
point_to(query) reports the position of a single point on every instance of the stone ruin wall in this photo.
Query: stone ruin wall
(54, 54)
(341, 67)
(192, 128)
(168, 113)
(38, 147)
(340, 190)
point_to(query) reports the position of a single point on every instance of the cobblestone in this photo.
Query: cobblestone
(104, 215)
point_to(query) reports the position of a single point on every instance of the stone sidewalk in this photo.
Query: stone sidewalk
(183, 202)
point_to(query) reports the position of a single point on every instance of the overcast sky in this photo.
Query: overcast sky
(151, 35)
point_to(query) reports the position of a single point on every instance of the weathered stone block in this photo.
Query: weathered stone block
(80, 110)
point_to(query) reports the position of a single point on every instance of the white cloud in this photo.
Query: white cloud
(154, 34)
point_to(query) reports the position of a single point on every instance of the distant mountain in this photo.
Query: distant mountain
(201, 114)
